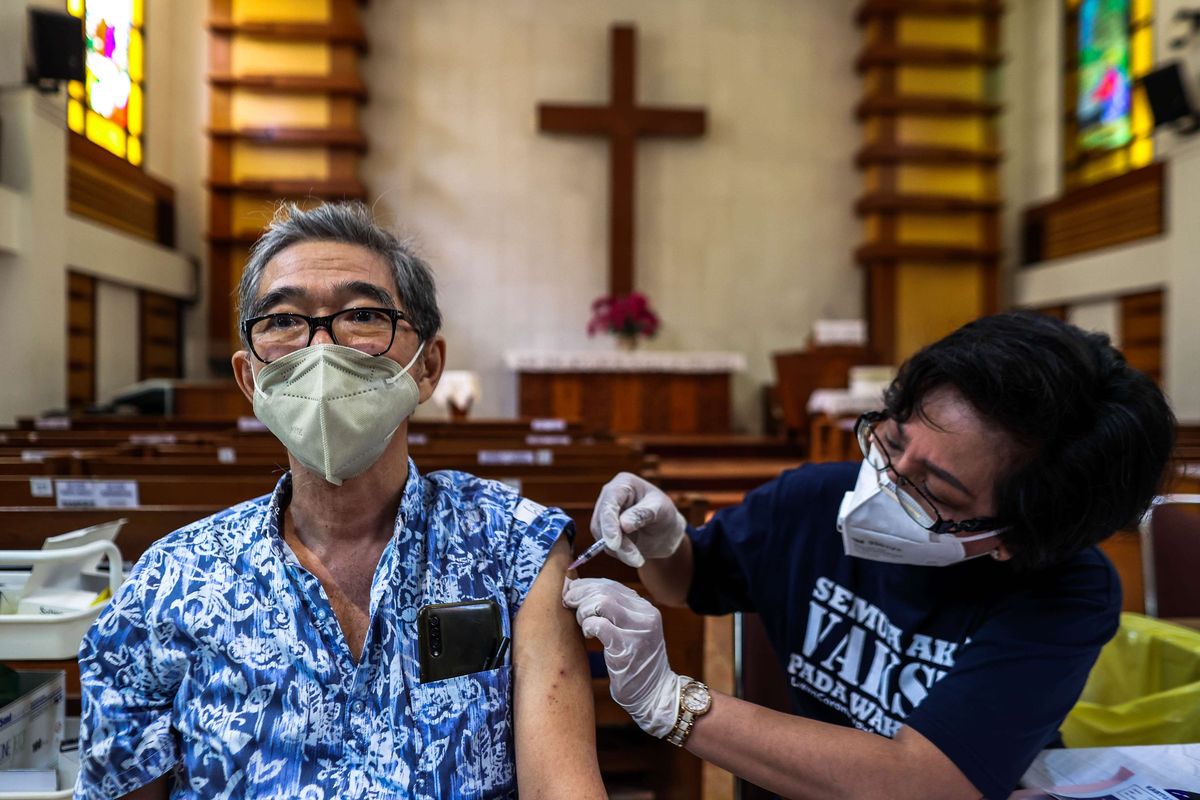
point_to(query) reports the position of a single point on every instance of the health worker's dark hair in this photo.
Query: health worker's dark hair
(1094, 433)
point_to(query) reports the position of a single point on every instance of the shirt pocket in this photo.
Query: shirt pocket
(466, 738)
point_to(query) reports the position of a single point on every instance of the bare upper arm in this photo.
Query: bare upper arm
(935, 767)
(554, 715)
(158, 789)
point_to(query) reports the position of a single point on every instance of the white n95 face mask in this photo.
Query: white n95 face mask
(875, 527)
(335, 408)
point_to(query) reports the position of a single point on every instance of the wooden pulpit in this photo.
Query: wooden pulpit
(800, 372)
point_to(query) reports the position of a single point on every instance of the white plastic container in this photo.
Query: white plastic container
(68, 771)
(44, 637)
(31, 726)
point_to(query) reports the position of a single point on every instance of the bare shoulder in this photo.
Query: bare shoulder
(552, 692)
(542, 609)
(549, 583)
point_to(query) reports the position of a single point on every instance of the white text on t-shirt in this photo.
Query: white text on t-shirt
(854, 659)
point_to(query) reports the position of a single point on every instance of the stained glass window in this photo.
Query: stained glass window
(107, 107)
(1103, 103)
(1107, 126)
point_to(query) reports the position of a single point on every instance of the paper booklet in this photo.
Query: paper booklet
(1155, 772)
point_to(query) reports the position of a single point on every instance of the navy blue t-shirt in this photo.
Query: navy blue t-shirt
(982, 660)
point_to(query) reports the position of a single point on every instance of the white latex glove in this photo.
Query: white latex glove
(636, 520)
(630, 628)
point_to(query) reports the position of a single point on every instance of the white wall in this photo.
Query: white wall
(39, 241)
(1103, 316)
(744, 237)
(32, 272)
(176, 145)
(12, 63)
(116, 332)
(1031, 128)
(1033, 174)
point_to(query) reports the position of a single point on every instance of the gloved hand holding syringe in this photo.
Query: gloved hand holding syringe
(633, 520)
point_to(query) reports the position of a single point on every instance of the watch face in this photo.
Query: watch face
(696, 698)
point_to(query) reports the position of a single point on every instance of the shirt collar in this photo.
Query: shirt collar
(414, 504)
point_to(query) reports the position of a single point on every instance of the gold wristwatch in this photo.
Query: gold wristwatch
(694, 702)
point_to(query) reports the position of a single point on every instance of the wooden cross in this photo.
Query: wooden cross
(622, 121)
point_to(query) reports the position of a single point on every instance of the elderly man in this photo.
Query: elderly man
(275, 649)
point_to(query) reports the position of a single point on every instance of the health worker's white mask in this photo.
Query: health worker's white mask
(875, 527)
(335, 408)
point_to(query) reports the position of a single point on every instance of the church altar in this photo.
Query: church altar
(628, 392)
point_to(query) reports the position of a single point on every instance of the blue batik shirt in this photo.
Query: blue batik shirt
(220, 658)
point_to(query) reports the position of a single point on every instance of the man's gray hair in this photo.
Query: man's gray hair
(348, 223)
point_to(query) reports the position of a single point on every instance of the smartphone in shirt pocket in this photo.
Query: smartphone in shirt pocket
(459, 638)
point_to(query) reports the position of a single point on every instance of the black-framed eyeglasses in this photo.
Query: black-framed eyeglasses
(371, 330)
(915, 501)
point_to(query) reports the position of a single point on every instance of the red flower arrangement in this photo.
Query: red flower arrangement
(627, 316)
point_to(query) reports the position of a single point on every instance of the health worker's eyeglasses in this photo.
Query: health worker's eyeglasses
(915, 501)
(371, 330)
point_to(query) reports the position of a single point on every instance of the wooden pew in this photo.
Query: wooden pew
(125, 422)
(714, 446)
(473, 427)
(225, 490)
(61, 464)
(492, 458)
(157, 489)
(726, 475)
(26, 527)
(832, 439)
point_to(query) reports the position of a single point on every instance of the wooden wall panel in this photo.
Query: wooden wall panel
(933, 299)
(284, 96)
(1058, 312)
(110, 190)
(160, 321)
(1124, 549)
(1142, 332)
(210, 400)
(1120, 210)
(81, 340)
(929, 159)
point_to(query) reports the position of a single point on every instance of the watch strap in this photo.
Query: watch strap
(686, 719)
(682, 730)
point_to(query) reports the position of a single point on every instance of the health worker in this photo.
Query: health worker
(937, 606)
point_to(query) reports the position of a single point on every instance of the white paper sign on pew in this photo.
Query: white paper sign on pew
(87, 493)
(540, 457)
(547, 425)
(41, 487)
(547, 440)
(153, 438)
